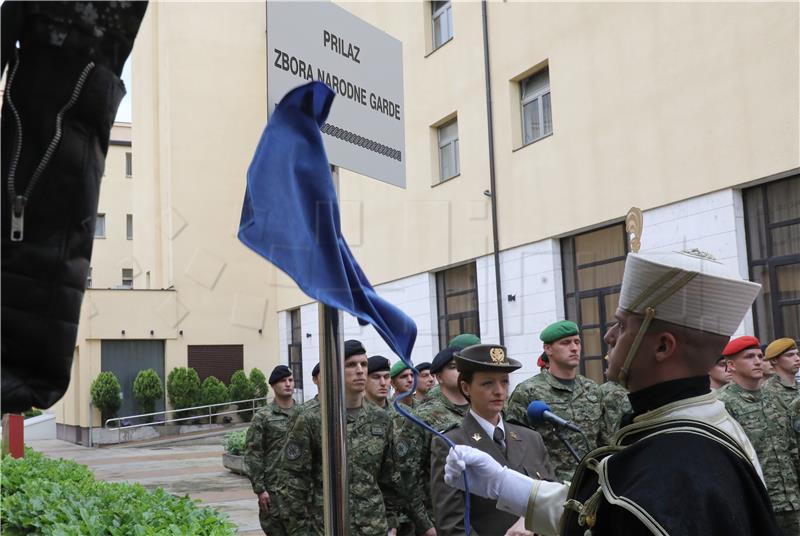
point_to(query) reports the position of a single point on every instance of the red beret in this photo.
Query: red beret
(740, 343)
(543, 360)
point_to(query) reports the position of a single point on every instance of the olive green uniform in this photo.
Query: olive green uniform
(265, 438)
(614, 403)
(578, 402)
(766, 423)
(373, 478)
(785, 394)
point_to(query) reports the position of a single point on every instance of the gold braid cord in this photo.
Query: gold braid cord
(634, 222)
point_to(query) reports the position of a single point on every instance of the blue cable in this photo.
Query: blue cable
(419, 422)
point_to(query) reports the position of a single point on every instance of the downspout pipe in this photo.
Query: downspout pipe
(492, 181)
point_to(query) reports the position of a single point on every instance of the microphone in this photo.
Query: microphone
(539, 413)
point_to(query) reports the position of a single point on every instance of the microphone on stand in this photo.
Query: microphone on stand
(539, 413)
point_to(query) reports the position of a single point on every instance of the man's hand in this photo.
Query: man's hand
(392, 532)
(430, 532)
(263, 500)
(518, 529)
(484, 473)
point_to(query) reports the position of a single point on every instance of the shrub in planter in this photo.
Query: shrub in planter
(259, 382)
(33, 412)
(106, 394)
(183, 390)
(214, 392)
(55, 497)
(241, 389)
(147, 390)
(235, 442)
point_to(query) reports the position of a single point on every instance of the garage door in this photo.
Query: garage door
(126, 359)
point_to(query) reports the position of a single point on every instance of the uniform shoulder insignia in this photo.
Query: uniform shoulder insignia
(450, 427)
(517, 422)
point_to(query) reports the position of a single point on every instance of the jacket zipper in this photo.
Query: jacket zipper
(19, 202)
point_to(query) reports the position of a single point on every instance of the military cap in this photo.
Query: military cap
(463, 340)
(423, 366)
(315, 371)
(690, 289)
(441, 359)
(377, 363)
(485, 357)
(353, 347)
(397, 368)
(278, 373)
(777, 347)
(558, 330)
(739, 344)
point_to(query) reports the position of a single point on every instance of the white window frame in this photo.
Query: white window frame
(127, 282)
(538, 96)
(443, 143)
(100, 226)
(129, 226)
(445, 11)
(128, 165)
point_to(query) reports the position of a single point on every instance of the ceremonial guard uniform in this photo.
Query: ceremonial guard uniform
(512, 445)
(682, 466)
(265, 438)
(576, 400)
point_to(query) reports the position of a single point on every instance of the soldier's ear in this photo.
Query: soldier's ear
(666, 344)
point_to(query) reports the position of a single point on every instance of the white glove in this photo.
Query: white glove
(484, 473)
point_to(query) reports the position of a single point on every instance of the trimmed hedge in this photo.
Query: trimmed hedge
(106, 394)
(60, 497)
(241, 389)
(235, 442)
(259, 383)
(214, 392)
(183, 389)
(147, 390)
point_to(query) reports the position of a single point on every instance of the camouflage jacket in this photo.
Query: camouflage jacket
(768, 427)
(614, 403)
(264, 443)
(785, 394)
(579, 404)
(407, 457)
(794, 415)
(373, 479)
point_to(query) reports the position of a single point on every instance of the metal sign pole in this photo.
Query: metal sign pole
(334, 424)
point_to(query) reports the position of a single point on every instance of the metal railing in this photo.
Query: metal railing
(210, 415)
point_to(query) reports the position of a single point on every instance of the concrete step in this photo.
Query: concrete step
(212, 437)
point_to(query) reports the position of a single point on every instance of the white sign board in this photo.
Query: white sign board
(320, 41)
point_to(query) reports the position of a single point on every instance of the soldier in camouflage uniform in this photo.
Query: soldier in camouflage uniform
(785, 357)
(767, 425)
(265, 439)
(569, 395)
(794, 415)
(373, 478)
(614, 403)
(425, 381)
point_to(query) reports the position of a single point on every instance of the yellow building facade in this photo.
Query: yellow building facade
(687, 111)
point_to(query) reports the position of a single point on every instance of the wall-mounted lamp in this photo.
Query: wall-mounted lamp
(152, 332)
(487, 193)
(308, 335)
(180, 333)
(123, 332)
(259, 331)
(512, 297)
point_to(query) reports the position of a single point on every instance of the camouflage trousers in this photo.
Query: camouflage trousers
(789, 522)
(271, 523)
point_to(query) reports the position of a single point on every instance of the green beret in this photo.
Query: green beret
(464, 340)
(397, 368)
(558, 330)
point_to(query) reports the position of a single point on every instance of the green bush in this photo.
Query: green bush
(147, 390)
(241, 389)
(60, 497)
(183, 389)
(235, 442)
(106, 394)
(32, 413)
(214, 392)
(259, 382)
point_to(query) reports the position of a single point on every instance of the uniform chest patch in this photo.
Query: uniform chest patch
(377, 430)
(591, 397)
(293, 451)
(402, 448)
(796, 425)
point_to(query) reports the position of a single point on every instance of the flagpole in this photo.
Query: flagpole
(334, 418)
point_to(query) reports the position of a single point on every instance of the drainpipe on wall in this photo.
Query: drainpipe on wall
(492, 183)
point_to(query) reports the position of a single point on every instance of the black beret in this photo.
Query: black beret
(278, 373)
(423, 366)
(353, 347)
(377, 363)
(315, 371)
(485, 357)
(441, 359)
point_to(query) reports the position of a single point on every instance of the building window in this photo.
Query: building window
(89, 278)
(129, 226)
(100, 226)
(772, 223)
(127, 278)
(537, 119)
(296, 348)
(448, 150)
(442, 18)
(592, 265)
(457, 299)
(129, 165)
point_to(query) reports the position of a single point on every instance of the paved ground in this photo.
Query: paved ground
(194, 470)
